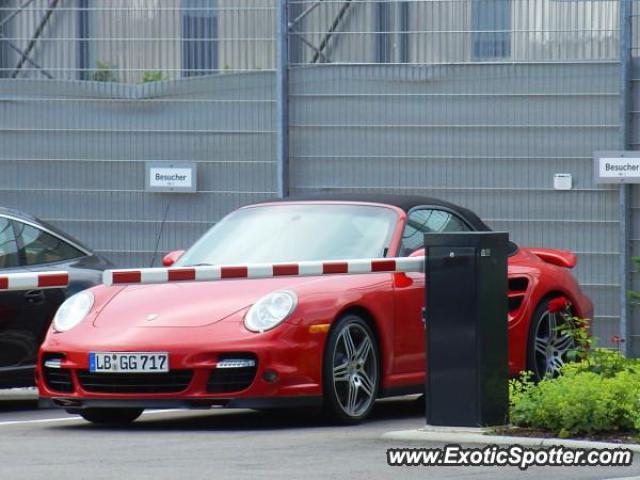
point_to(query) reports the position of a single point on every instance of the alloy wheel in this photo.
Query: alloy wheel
(355, 370)
(550, 346)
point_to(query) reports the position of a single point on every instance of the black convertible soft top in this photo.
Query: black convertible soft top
(405, 202)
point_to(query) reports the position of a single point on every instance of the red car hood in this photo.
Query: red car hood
(192, 304)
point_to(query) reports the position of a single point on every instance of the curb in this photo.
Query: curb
(474, 436)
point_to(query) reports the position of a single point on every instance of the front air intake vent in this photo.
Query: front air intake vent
(56, 378)
(171, 382)
(233, 373)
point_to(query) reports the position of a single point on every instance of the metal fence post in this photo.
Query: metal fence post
(282, 97)
(625, 129)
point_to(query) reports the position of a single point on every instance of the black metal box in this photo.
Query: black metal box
(466, 328)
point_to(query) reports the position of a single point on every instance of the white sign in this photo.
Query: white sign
(617, 167)
(171, 177)
(620, 167)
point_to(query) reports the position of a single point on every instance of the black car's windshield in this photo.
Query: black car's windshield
(295, 233)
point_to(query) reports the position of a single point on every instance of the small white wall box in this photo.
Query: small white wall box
(562, 181)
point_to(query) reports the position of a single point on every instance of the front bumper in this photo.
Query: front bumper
(288, 371)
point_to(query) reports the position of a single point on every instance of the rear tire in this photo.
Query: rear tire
(351, 370)
(111, 416)
(546, 348)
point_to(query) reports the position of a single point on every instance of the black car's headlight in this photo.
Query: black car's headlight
(72, 311)
(270, 311)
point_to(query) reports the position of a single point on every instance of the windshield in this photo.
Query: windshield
(295, 233)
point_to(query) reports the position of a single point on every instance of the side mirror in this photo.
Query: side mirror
(417, 253)
(172, 257)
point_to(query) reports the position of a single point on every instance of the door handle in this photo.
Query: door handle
(34, 296)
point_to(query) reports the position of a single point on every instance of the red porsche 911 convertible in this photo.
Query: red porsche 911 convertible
(337, 341)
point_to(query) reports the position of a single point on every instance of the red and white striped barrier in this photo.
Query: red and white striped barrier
(261, 270)
(33, 280)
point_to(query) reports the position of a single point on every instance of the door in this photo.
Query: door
(42, 251)
(17, 337)
(409, 343)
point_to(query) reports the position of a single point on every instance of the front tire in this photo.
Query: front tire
(546, 349)
(351, 373)
(111, 416)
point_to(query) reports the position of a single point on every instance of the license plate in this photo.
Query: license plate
(129, 362)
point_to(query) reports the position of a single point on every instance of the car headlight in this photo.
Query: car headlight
(270, 311)
(72, 311)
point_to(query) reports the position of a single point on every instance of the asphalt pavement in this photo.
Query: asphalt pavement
(234, 444)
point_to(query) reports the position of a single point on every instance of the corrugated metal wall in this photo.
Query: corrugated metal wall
(73, 153)
(476, 101)
(488, 137)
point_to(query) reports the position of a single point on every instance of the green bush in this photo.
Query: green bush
(153, 77)
(598, 394)
(103, 73)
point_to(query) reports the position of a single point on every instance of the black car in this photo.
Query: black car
(28, 244)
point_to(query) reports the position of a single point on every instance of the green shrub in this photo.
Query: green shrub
(153, 77)
(103, 73)
(599, 394)
(605, 362)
